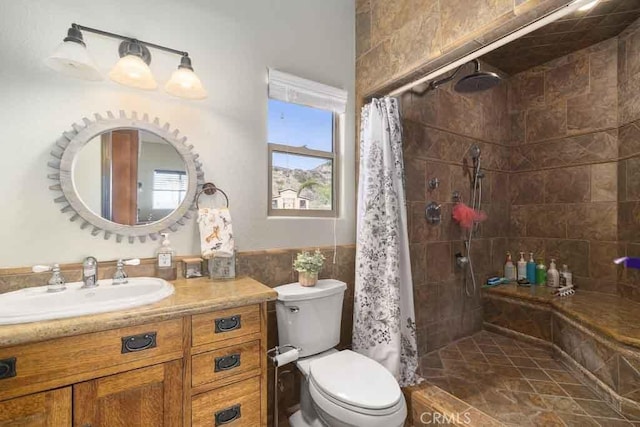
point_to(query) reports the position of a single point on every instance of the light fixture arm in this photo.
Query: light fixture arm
(129, 39)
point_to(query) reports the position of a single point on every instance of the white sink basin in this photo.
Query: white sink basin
(34, 304)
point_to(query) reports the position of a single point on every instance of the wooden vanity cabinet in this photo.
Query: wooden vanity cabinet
(46, 409)
(145, 397)
(206, 369)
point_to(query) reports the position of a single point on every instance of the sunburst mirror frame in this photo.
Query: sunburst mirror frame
(71, 142)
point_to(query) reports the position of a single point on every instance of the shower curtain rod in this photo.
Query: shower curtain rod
(544, 20)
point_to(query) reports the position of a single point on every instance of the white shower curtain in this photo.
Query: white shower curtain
(384, 318)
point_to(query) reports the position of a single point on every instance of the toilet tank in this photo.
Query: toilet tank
(310, 317)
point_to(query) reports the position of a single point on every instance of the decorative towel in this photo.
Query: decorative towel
(216, 234)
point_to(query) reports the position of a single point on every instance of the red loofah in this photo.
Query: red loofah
(466, 216)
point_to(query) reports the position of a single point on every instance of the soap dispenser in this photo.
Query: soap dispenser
(522, 267)
(165, 266)
(531, 269)
(509, 269)
(553, 277)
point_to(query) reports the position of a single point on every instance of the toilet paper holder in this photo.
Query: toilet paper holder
(273, 355)
(277, 350)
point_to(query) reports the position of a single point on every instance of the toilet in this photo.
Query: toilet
(339, 388)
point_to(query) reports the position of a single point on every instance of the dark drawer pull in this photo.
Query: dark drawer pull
(228, 415)
(7, 368)
(227, 324)
(140, 342)
(225, 363)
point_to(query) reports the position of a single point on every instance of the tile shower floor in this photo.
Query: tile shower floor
(516, 383)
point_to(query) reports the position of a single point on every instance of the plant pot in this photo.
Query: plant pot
(307, 278)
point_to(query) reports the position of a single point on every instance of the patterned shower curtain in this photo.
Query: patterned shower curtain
(384, 318)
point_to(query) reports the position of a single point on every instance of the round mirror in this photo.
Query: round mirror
(126, 176)
(130, 176)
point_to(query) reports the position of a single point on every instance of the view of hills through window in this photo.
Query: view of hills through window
(302, 156)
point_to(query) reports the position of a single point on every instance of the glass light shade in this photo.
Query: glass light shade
(184, 83)
(72, 59)
(132, 71)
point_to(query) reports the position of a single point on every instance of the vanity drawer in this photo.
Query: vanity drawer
(234, 405)
(225, 324)
(225, 362)
(57, 362)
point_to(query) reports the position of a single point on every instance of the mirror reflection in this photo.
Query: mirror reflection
(130, 177)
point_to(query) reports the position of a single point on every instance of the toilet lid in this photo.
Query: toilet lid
(356, 380)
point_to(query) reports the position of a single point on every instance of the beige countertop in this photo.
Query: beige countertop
(191, 296)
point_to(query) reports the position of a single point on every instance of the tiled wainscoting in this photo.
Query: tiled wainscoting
(596, 335)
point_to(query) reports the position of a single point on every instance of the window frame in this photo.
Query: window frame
(181, 174)
(307, 152)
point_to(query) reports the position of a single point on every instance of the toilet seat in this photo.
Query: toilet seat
(355, 382)
(339, 414)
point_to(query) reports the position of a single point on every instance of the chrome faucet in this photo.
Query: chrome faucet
(120, 276)
(89, 272)
(57, 282)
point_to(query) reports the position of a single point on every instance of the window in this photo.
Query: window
(302, 146)
(169, 188)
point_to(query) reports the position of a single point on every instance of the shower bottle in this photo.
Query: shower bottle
(553, 277)
(509, 269)
(531, 269)
(541, 273)
(522, 267)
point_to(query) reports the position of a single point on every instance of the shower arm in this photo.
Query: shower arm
(437, 83)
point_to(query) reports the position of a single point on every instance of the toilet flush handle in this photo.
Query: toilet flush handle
(294, 309)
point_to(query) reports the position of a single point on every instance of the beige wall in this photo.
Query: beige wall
(231, 43)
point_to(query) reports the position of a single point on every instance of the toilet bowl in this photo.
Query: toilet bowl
(346, 389)
(338, 388)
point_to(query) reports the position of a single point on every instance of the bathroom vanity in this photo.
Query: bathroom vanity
(195, 358)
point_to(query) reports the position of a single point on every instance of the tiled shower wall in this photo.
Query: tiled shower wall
(561, 147)
(401, 40)
(564, 163)
(629, 152)
(439, 128)
(575, 181)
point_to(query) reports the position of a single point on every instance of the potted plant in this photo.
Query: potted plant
(308, 266)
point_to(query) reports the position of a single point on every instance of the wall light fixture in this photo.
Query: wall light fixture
(132, 69)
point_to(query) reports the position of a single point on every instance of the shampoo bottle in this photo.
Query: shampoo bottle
(553, 277)
(541, 273)
(531, 269)
(165, 267)
(522, 267)
(509, 269)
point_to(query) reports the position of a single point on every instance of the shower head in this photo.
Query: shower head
(477, 81)
(474, 82)
(475, 152)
